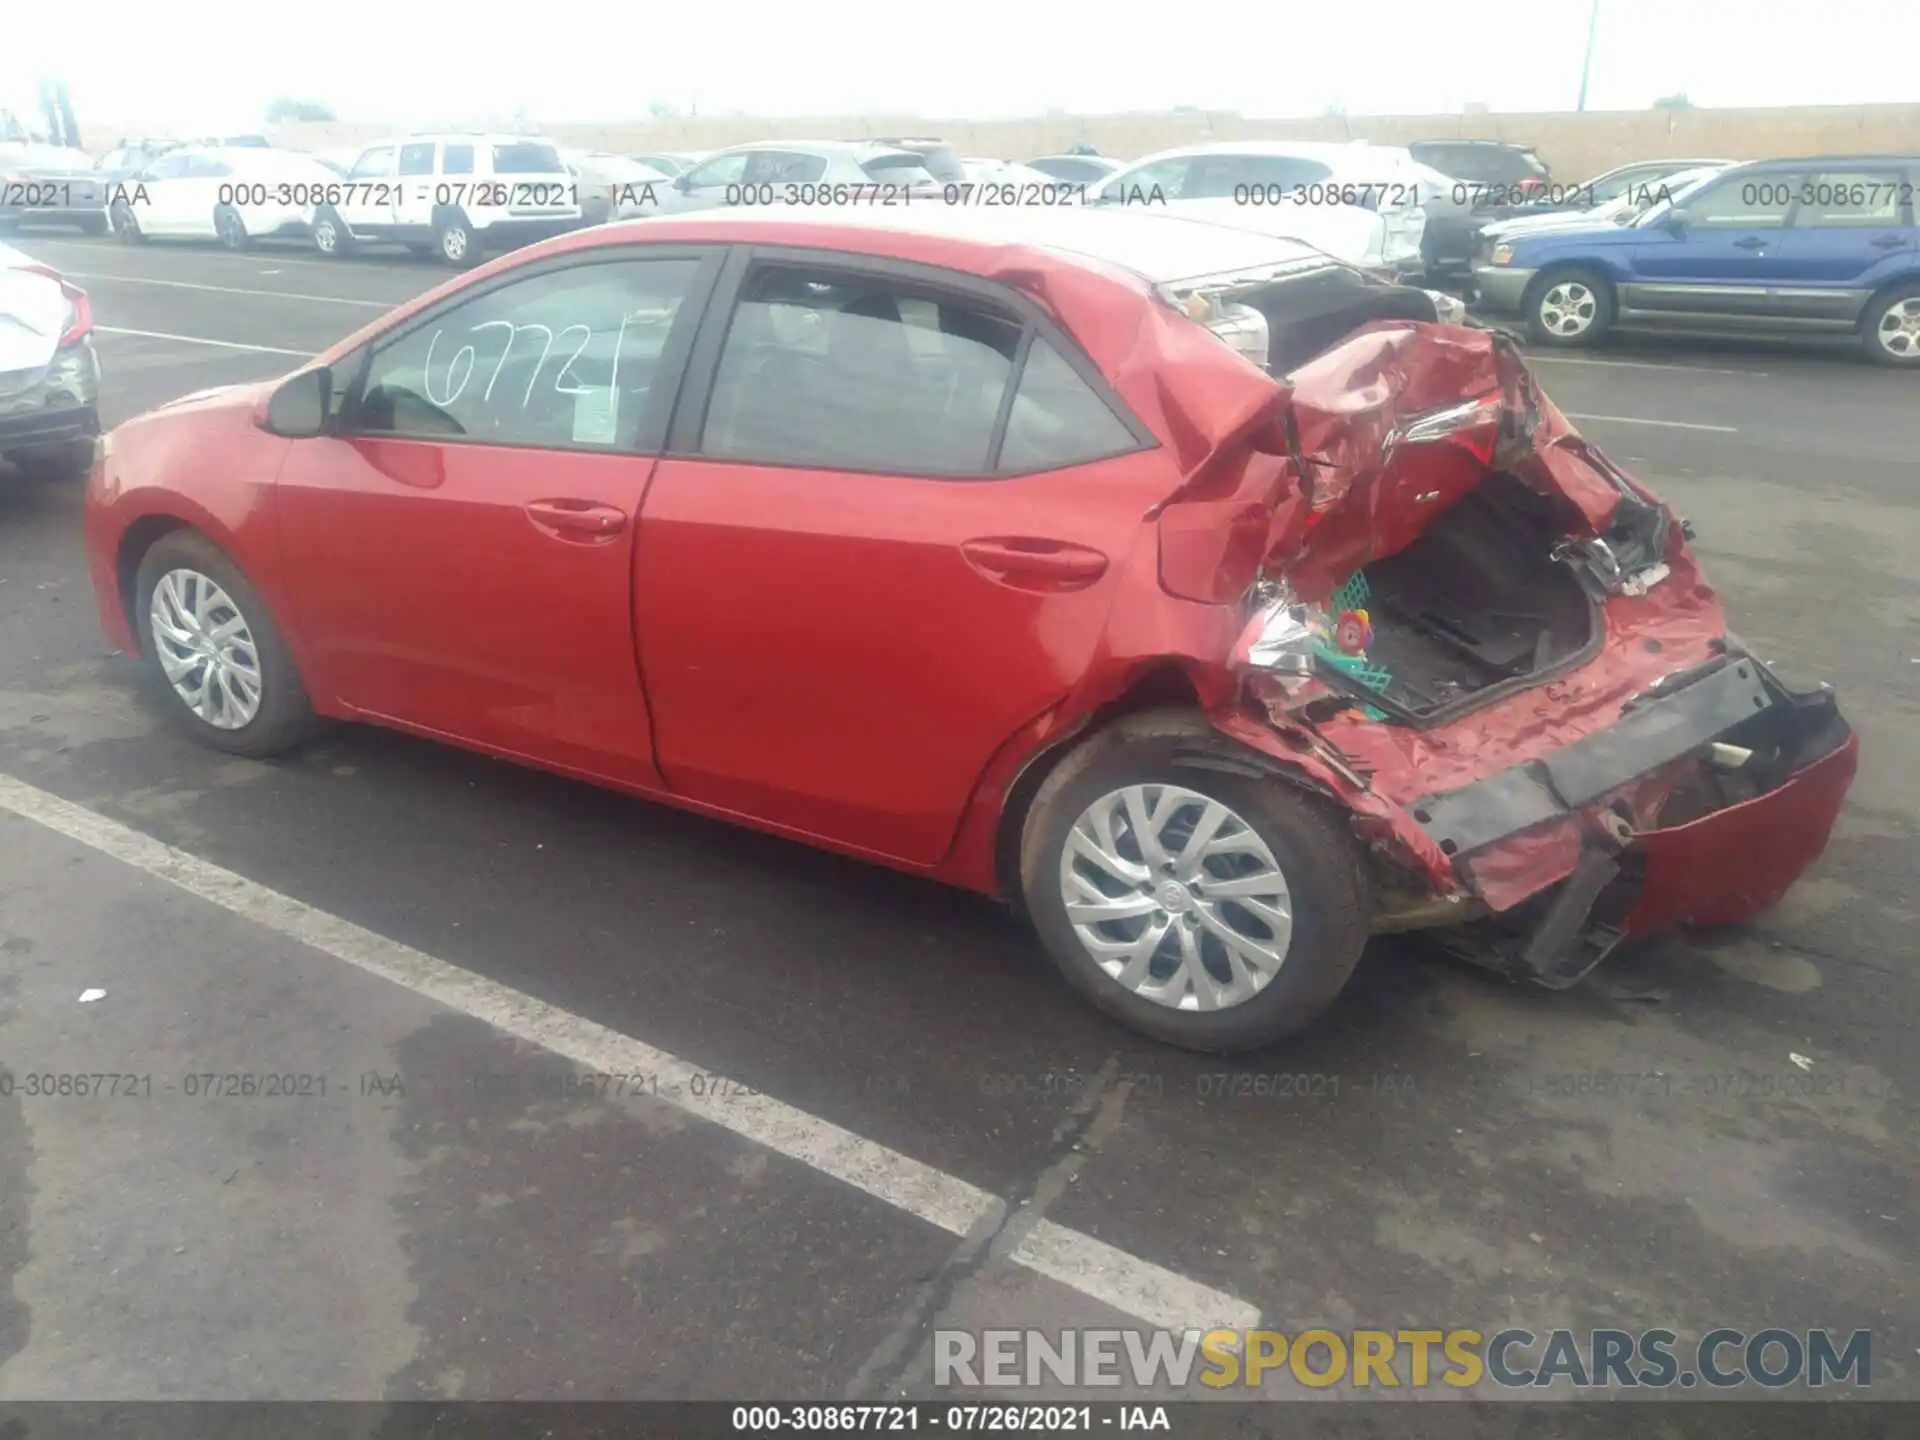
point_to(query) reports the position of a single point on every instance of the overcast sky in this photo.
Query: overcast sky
(213, 64)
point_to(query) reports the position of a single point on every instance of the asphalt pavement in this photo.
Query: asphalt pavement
(842, 1108)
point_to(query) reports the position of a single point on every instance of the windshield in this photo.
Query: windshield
(1670, 192)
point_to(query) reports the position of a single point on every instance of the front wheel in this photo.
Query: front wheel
(125, 224)
(1214, 910)
(229, 229)
(1569, 308)
(330, 235)
(1892, 329)
(213, 653)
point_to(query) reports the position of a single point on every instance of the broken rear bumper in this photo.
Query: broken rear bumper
(1654, 821)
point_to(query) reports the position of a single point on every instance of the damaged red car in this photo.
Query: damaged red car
(1213, 601)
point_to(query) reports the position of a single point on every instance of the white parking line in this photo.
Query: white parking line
(1669, 424)
(202, 340)
(231, 290)
(1115, 1278)
(395, 265)
(1535, 357)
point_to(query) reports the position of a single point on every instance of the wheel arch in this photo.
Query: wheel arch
(1554, 269)
(1906, 280)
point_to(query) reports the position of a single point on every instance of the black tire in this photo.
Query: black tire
(1903, 303)
(284, 718)
(1599, 309)
(1309, 840)
(454, 241)
(125, 224)
(58, 464)
(93, 225)
(330, 236)
(229, 229)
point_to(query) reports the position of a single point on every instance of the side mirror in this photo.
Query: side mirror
(1677, 220)
(300, 408)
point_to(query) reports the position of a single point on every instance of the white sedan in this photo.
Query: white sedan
(233, 194)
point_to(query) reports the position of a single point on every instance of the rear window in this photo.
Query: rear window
(940, 161)
(526, 158)
(902, 169)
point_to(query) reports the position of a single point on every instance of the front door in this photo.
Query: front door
(366, 197)
(1723, 263)
(460, 552)
(849, 592)
(1850, 231)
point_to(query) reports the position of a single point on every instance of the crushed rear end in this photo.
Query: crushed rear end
(1467, 626)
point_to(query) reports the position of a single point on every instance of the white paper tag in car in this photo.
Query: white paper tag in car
(595, 415)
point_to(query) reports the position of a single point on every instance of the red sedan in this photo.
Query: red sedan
(1211, 600)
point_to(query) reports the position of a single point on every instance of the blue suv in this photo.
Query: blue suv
(1824, 246)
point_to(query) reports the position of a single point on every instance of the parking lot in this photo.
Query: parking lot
(887, 1116)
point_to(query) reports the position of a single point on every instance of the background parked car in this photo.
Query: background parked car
(612, 187)
(49, 374)
(130, 157)
(1361, 203)
(1076, 169)
(234, 196)
(982, 171)
(758, 173)
(456, 196)
(1624, 207)
(50, 184)
(1815, 247)
(669, 162)
(1488, 181)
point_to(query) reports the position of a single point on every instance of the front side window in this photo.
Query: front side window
(1167, 177)
(849, 372)
(417, 159)
(721, 170)
(567, 359)
(1744, 202)
(374, 164)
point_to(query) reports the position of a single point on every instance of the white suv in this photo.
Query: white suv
(455, 196)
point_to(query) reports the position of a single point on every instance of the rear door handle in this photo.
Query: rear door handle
(577, 519)
(1750, 242)
(1034, 564)
(1889, 242)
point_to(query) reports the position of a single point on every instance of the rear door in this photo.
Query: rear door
(863, 567)
(416, 179)
(459, 548)
(1850, 230)
(1727, 260)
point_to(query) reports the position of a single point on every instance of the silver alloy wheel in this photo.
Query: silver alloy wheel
(453, 242)
(1899, 330)
(1176, 897)
(1568, 309)
(325, 238)
(206, 649)
(231, 232)
(120, 218)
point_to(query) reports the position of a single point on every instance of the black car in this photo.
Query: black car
(1492, 180)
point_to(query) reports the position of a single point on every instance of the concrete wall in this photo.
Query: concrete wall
(1573, 145)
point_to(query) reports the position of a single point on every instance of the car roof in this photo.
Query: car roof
(860, 149)
(1301, 149)
(441, 137)
(1496, 144)
(1876, 159)
(1157, 246)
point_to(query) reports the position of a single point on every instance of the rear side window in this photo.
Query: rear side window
(1057, 419)
(526, 158)
(1851, 199)
(417, 159)
(848, 372)
(901, 169)
(785, 167)
(457, 160)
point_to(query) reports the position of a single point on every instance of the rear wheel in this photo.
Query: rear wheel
(212, 651)
(1214, 910)
(1569, 308)
(1892, 329)
(454, 243)
(93, 225)
(229, 229)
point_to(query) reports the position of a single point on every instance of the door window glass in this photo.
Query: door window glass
(1744, 202)
(721, 170)
(1849, 199)
(1057, 419)
(849, 372)
(566, 359)
(374, 164)
(417, 159)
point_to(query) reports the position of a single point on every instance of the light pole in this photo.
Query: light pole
(1586, 65)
